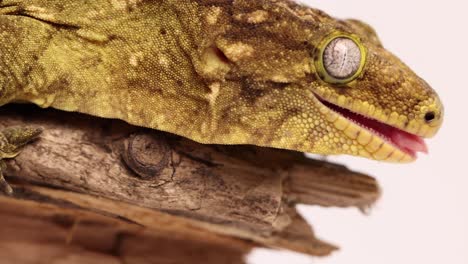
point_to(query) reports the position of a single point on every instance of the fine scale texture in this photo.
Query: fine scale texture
(216, 71)
(227, 72)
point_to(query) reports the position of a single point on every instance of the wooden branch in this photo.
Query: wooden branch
(112, 171)
(40, 232)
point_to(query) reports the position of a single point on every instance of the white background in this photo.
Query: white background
(423, 214)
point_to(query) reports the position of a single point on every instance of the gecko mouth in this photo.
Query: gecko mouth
(407, 143)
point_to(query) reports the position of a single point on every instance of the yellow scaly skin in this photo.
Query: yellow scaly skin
(12, 139)
(214, 71)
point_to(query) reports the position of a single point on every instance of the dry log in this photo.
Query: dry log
(211, 202)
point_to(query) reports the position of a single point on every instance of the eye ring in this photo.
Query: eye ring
(333, 50)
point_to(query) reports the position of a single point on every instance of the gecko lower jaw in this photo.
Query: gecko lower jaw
(381, 141)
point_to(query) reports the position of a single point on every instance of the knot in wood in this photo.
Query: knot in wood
(146, 155)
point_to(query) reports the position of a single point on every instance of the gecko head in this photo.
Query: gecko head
(309, 82)
(371, 96)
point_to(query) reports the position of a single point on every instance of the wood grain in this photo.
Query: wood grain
(161, 190)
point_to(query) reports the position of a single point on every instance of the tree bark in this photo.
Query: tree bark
(102, 191)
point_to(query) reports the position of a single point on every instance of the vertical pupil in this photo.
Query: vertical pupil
(342, 58)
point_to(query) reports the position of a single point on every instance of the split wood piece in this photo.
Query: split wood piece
(35, 232)
(241, 191)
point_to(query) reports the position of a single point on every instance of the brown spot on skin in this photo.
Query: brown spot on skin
(252, 90)
(262, 53)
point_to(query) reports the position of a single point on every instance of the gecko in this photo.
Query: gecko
(269, 73)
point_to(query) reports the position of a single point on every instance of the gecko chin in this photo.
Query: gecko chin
(376, 139)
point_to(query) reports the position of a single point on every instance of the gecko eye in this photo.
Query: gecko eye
(341, 59)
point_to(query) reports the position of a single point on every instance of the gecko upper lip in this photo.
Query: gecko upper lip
(406, 142)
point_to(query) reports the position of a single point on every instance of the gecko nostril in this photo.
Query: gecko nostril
(429, 117)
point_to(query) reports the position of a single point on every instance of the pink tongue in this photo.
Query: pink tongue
(407, 142)
(410, 143)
